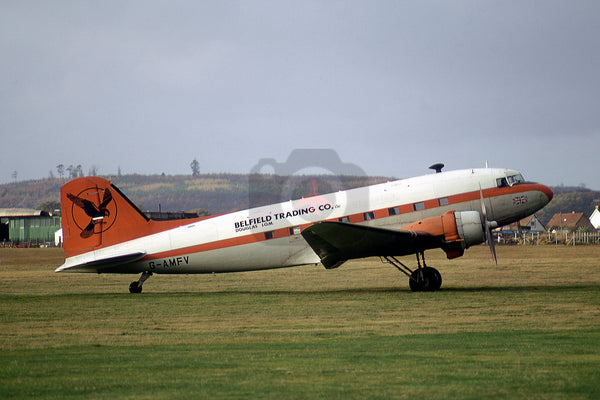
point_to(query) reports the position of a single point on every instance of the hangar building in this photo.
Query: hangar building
(27, 226)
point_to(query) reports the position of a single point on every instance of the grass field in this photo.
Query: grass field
(527, 328)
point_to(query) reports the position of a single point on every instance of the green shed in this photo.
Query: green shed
(29, 226)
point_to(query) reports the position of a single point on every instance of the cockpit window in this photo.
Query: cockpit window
(510, 180)
(515, 179)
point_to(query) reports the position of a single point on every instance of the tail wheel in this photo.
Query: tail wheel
(134, 287)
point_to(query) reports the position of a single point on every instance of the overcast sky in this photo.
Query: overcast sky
(391, 86)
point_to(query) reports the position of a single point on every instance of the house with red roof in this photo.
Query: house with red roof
(572, 222)
(529, 224)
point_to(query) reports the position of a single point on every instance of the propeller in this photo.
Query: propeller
(487, 227)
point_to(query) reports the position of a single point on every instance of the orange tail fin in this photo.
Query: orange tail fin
(96, 214)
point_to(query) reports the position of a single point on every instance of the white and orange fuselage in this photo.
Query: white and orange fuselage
(105, 233)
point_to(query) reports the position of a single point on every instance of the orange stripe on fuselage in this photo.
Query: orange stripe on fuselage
(354, 218)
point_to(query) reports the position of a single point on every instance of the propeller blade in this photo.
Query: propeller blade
(490, 240)
(487, 227)
(483, 210)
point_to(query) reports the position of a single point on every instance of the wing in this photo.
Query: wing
(337, 242)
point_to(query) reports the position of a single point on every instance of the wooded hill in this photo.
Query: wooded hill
(215, 193)
(570, 199)
(221, 193)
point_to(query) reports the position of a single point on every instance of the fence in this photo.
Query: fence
(536, 238)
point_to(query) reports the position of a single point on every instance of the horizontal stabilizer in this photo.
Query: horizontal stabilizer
(337, 242)
(101, 265)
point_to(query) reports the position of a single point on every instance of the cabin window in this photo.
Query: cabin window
(419, 206)
(269, 235)
(295, 230)
(369, 216)
(344, 219)
(443, 201)
(393, 211)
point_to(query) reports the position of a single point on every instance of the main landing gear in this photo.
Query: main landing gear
(423, 279)
(136, 286)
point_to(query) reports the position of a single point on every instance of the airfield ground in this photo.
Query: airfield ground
(526, 328)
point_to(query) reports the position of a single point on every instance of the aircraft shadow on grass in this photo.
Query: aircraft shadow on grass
(355, 291)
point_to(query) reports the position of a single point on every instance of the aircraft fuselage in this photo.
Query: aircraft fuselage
(270, 236)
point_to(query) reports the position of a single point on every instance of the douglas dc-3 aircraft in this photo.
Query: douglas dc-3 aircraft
(104, 232)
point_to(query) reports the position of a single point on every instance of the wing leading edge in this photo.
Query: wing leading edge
(337, 242)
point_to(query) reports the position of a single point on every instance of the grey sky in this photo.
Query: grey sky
(392, 86)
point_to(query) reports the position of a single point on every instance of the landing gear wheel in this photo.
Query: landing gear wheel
(438, 279)
(417, 281)
(425, 279)
(134, 287)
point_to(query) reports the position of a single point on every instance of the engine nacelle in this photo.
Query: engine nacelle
(458, 230)
(469, 227)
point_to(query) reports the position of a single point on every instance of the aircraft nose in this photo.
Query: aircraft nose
(546, 191)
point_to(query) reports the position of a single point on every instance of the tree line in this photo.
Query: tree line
(76, 171)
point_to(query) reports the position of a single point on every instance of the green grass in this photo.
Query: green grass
(357, 343)
(356, 332)
(521, 364)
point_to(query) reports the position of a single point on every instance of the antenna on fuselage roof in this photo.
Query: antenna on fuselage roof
(486, 164)
(437, 167)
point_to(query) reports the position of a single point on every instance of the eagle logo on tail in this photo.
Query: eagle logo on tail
(97, 214)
